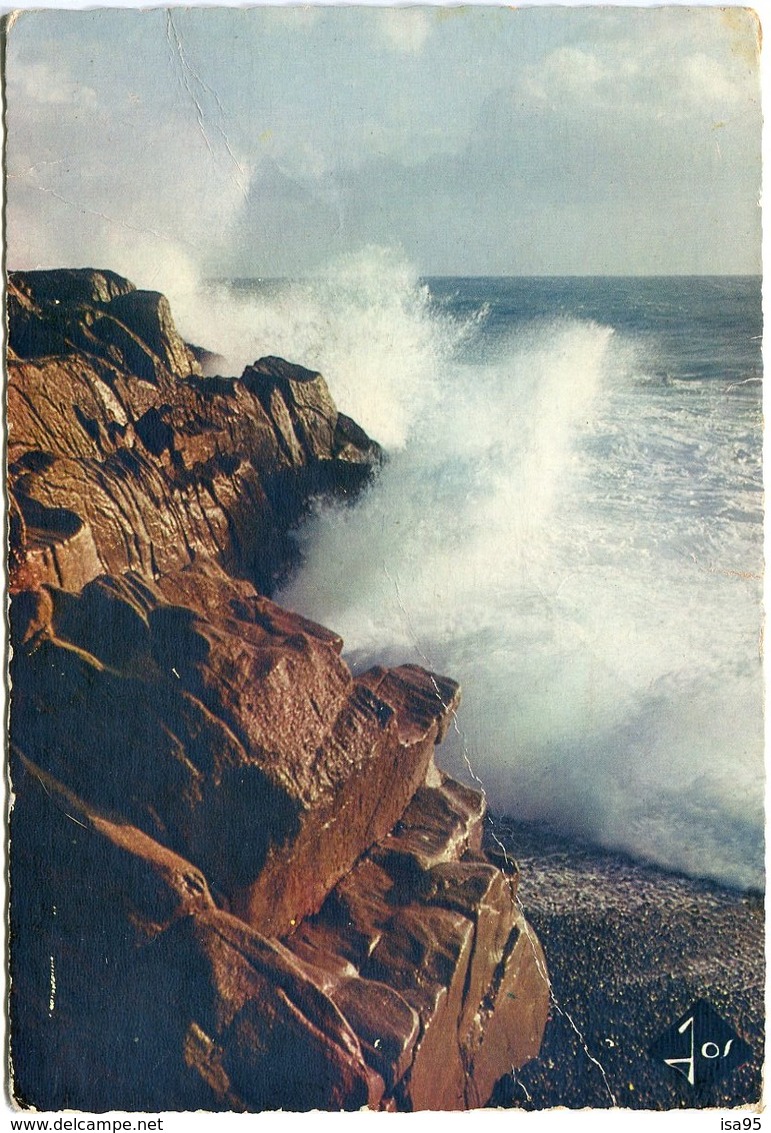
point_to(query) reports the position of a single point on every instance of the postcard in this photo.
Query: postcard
(385, 562)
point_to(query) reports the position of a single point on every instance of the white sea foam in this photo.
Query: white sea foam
(365, 324)
(556, 533)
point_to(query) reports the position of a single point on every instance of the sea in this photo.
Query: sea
(569, 522)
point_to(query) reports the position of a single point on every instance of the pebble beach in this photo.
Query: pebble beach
(630, 948)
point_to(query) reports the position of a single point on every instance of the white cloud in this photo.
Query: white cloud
(565, 72)
(706, 80)
(405, 29)
(639, 78)
(41, 82)
(293, 17)
(267, 152)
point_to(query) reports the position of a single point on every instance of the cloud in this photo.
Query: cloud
(44, 82)
(130, 168)
(565, 73)
(405, 29)
(261, 141)
(287, 218)
(704, 80)
(640, 79)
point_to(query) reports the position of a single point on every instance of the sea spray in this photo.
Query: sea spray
(367, 324)
(565, 526)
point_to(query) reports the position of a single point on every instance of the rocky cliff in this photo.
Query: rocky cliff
(238, 879)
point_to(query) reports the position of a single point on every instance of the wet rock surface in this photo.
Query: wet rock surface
(421, 957)
(238, 880)
(122, 456)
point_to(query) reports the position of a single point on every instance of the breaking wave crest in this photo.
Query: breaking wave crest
(545, 532)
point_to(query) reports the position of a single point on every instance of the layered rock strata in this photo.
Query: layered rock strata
(238, 880)
(122, 457)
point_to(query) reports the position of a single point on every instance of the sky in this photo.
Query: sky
(476, 141)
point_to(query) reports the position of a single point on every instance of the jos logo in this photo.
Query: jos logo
(701, 1046)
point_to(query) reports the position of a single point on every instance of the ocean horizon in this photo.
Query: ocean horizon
(569, 522)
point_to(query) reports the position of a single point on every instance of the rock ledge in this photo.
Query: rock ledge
(238, 880)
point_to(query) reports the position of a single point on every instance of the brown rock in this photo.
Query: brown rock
(171, 724)
(308, 412)
(352, 443)
(436, 944)
(211, 363)
(69, 286)
(440, 824)
(510, 1028)
(387, 1027)
(148, 315)
(279, 1041)
(88, 892)
(132, 990)
(488, 899)
(362, 778)
(113, 422)
(415, 693)
(49, 543)
(256, 755)
(441, 928)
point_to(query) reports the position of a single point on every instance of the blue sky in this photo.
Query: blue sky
(269, 141)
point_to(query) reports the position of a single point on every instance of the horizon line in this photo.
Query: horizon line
(513, 275)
